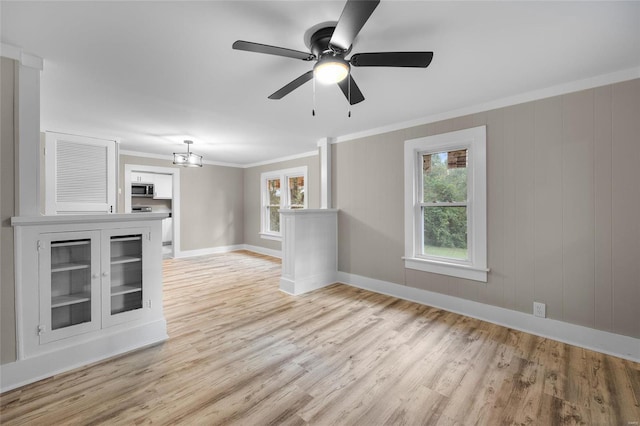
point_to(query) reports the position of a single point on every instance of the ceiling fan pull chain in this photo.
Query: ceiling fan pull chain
(349, 90)
(313, 110)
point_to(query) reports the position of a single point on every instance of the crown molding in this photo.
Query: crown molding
(170, 158)
(281, 159)
(561, 89)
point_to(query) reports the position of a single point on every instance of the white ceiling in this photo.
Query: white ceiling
(152, 74)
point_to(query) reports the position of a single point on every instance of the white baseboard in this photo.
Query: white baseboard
(287, 286)
(227, 249)
(301, 286)
(208, 250)
(263, 250)
(29, 370)
(601, 341)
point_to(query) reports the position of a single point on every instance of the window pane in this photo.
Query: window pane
(445, 232)
(445, 177)
(273, 186)
(296, 192)
(274, 219)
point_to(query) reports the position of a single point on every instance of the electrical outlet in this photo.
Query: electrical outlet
(539, 309)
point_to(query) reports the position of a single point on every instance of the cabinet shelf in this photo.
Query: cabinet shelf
(130, 238)
(125, 259)
(55, 244)
(69, 299)
(124, 289)
(61, 267)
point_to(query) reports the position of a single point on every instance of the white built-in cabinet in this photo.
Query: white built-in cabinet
(90, 279)
(162, 183)
(88, 286)
(139, 177)
(162, 186)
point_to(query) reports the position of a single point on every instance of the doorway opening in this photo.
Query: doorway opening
(161, 195)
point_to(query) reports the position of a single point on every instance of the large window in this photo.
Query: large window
(445, 204)
(281, 189)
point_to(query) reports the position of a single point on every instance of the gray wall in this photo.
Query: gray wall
(563, 202)
(252, 199)
(211, 203)
(7, 209)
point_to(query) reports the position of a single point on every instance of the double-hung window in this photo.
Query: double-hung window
(281, 189)
(445, 204)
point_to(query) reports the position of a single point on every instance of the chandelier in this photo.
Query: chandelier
(187, 159)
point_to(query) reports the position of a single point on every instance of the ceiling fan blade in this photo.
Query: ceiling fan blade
(272, 50)
(356, 94)
(392, 59)
(279, 94)
(354, 15)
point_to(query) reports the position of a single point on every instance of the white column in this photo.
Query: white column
(27, 107)
(325, 172)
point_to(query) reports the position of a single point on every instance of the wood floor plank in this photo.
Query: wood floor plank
(479, 385)
(241, 352)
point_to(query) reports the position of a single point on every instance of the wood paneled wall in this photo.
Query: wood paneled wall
(563, 207)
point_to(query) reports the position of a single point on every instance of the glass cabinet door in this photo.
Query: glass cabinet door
(70, 296)
(123, 291)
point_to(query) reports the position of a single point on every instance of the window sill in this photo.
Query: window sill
(273, 237)
(444, 268)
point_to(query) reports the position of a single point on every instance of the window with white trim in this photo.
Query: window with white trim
(281, 189)
(446, 204)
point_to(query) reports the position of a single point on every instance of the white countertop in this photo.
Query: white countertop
(85, 218)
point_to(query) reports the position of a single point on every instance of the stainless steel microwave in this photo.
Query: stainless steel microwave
(142, 190)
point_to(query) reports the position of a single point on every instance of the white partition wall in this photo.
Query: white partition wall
(309, 249)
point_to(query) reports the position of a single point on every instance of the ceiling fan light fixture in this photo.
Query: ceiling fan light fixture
(331, 70)
(187, 159)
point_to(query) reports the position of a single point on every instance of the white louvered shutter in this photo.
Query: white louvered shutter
(80, 174)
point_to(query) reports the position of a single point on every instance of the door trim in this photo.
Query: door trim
(175, 200)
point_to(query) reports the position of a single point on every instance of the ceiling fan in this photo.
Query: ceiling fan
(330, 44)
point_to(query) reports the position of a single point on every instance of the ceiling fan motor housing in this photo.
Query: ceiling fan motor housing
(320, 44)
(331, 67)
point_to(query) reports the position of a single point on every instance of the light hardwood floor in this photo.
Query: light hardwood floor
(241, 352)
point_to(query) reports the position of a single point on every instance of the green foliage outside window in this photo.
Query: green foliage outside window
(445, 227)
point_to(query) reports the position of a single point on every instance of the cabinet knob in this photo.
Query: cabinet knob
(94, 276)
(104, 274)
